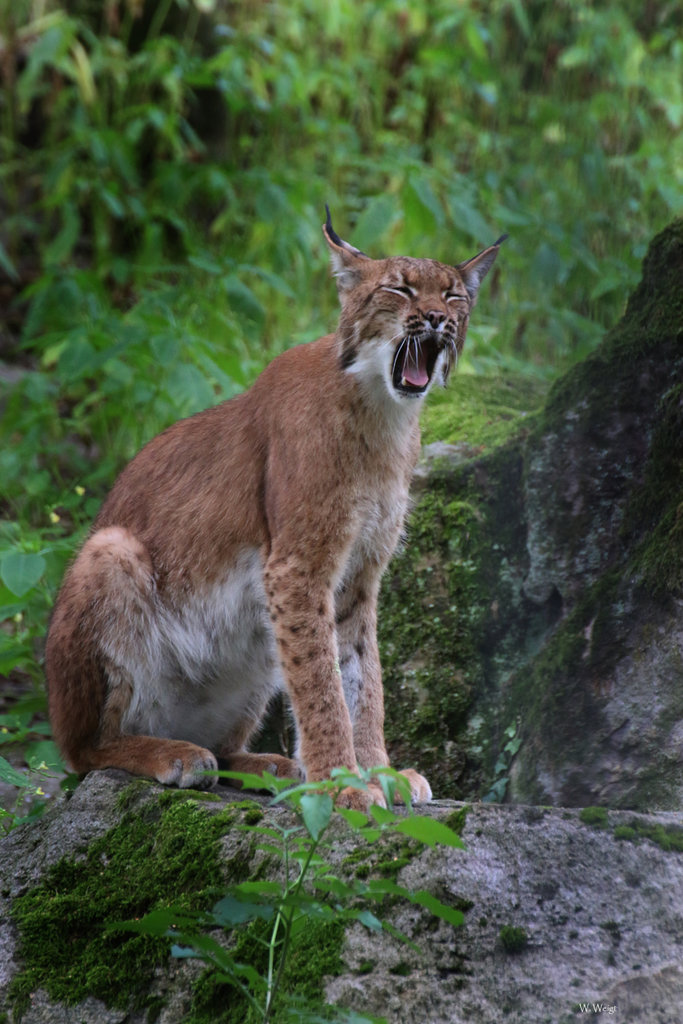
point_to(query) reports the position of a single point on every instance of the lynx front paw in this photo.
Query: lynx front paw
(184, 766)
(361, 799)
(420, 790)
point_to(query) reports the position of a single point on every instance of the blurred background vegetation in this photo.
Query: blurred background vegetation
(163, 173)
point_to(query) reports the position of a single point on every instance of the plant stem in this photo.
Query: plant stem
(287, 917)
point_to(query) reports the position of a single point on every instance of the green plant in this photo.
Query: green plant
(595, 816)
(24, 729)
(277, 915)
(501, 771)
(513, 939)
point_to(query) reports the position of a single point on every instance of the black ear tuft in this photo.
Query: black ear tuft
(331, 233)
(501, 240)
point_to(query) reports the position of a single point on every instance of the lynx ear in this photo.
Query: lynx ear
(347, 261)
(474, 270)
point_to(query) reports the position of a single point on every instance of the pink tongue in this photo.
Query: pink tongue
(415, 369)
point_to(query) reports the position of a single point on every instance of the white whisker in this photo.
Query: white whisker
(397, 355)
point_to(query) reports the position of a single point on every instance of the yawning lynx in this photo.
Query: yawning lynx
(241, 551)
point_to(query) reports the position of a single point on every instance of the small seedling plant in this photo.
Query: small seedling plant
(309, 890)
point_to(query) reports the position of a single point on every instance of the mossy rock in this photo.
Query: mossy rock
(158, 851)
(538, 592)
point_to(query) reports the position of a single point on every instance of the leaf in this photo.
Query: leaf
(7, 265)
(261, 887)
(369, 920)
(429, 831)
(468, 219)
(316, 810)
(230, 911)
(43, 752)
(513, 746)
(20, 571)
(388, 787)
(382, 815)
(436, 907)
(242, 299)
(425, 194)
(10, 774)
(373, 222)
(356, 819)
(61, 247)
(13, 655)
(334, 885)
(77, 359)
(249, 780)
(547, 266)
(157, 922)
(188, 388)
(496, 794)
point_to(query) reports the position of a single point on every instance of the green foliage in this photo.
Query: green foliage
(163, 169)
(501, 770)
(274, 926)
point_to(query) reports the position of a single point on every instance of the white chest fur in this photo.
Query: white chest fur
(212, 660)
(208, 661)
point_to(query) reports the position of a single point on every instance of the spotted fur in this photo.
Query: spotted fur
(241, 551)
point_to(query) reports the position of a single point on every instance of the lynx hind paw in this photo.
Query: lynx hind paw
(420, 790)
(256, 764)
(186, 769)
(284, 768)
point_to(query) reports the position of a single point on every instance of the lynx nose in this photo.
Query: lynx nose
(435, 317)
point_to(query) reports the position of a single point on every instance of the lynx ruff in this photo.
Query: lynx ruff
(241, 551)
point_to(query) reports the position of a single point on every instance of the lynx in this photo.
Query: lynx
(241, 551)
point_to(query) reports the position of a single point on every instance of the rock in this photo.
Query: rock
(532, 627)
(558, 912)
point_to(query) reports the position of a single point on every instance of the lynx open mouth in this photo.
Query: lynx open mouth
(414, 362)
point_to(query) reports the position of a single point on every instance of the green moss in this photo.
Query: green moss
(154, 858)
(667, 837)
(655, 512)
(457, 819)
(131, 794)
(594, 816)
(482, 411)
(513, 939)
(384, 859)
(402, 969)
(197, 796)
(427, 639)
(137, 790)
(625, 832)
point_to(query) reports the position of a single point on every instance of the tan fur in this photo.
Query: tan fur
(242, 549)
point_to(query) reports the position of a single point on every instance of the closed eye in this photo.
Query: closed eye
(448, 296)
(400, 289)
